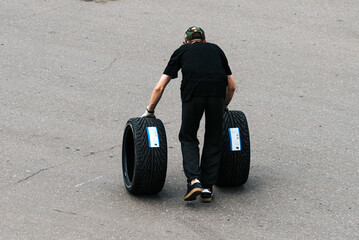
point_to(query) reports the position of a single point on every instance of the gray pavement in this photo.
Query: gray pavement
(73, 72)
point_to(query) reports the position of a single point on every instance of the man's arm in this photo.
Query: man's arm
(231, 87)
(158, 91)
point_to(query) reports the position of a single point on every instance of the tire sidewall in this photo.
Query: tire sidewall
(129, 183)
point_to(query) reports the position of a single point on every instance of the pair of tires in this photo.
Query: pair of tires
(144, 153)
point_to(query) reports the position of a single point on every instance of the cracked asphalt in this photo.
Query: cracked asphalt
(73, 72)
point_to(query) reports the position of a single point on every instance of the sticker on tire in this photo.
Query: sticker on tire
(153, 140)
(235, 139)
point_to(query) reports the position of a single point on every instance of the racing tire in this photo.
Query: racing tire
(144, 159)
(234, 165)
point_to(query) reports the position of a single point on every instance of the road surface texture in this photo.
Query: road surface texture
(73, 72)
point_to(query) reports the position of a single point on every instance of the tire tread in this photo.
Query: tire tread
(150, 163)
(234, 165)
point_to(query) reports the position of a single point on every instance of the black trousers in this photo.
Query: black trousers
(192, 112)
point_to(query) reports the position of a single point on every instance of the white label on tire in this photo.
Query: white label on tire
(153, 140)
(235, 139)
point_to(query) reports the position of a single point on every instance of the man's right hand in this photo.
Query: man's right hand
(150, 114)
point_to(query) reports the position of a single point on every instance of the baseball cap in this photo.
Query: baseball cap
(194, 33)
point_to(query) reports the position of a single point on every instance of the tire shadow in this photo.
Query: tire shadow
(254, 185)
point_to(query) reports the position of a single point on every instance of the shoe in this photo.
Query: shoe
(193, 190)
(207, 195)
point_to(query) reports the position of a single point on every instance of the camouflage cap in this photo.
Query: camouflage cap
(190, 31)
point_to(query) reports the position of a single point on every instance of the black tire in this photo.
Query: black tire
(234, 165)
(144, 168)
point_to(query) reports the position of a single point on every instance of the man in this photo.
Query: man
(207, 86)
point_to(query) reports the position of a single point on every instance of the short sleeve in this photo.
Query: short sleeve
(174, 64)
(225, 63)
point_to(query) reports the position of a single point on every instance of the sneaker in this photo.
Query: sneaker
(207, 195)
(193, 190)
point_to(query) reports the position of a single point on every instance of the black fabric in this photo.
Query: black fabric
(192, 112)
(204, 70)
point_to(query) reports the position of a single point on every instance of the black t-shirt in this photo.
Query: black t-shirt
(204, 70)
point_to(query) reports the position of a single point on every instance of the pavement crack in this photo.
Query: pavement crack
(100, 151)
(61, 211)
(34, 174)
(41, 170)
(108, 67)
(7, 187)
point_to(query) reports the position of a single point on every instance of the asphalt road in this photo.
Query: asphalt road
(73, 72)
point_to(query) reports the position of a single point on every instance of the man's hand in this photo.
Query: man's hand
(150, 114)
(226, 109)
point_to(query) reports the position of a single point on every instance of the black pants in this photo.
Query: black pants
(192, 112)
